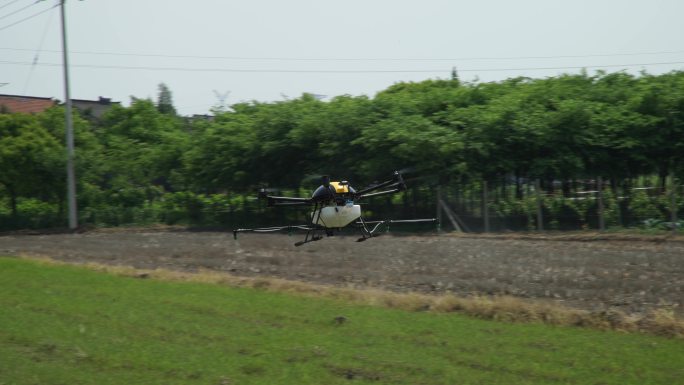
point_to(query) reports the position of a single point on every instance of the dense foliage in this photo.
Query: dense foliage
(145, 163)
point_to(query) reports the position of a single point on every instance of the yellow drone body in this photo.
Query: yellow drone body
(340, 187)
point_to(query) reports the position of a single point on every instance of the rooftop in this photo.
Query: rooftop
(25, 104)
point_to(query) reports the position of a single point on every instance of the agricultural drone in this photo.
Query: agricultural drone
(334, 207)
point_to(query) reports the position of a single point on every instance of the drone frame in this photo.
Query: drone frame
(322, 198)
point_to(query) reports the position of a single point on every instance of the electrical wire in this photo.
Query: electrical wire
(29, 17)
(37, 55)
(352, 59)
(8, 4)
(190, 69)
(19, 10)
(570, 67)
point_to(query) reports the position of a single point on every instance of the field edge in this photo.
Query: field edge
(660, 322)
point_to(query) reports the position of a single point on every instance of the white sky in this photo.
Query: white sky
(316, 38)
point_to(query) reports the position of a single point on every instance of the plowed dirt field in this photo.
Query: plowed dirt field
(631, 274)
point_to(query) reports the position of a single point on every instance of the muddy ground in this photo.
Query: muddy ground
(593, 273)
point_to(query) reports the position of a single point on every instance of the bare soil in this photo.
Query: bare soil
(631, 274)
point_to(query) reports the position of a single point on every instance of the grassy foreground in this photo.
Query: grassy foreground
(69, 325)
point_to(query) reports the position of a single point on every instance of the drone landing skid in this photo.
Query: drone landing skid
(289, 229)
(307, 240)
(315, 232)
(366, 233)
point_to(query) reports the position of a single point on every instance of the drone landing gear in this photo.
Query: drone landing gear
(308, 240)
(290, 229)
(314, 232)
(312, 236)
(366, 233)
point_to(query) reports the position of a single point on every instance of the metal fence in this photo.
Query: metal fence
(533, 205)
(477, 206)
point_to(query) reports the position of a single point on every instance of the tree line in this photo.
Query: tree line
(149, 163)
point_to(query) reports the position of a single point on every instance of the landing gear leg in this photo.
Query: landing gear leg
(365, 233)
(311, 235)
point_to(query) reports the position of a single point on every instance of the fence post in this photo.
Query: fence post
(453, 217)
(439, 208)
(485, 208)
(540, 215)
(601, 219)
(673, 203)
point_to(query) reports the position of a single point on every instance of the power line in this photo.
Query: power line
(570, 67)
(443, 70)
(29, 17)
(8, 4)
(38, 51)
(105, 53)
(18, 10)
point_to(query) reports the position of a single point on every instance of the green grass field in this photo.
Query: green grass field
(69, 325)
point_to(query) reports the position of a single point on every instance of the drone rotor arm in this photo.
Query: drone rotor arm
(397, 182)
(380, 193)
(287, 201)
(276, 203)
(375, 187)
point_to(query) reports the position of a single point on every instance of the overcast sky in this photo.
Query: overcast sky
(269, 50)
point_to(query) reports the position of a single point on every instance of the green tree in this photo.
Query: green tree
(223, 157)
(662, 98)
(165, 100)
(402, 141)
(31, 160)
(142, 148)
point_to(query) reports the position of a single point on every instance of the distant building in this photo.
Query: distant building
(25, 104)
(32, 105)
(199, 117)
(93, 108)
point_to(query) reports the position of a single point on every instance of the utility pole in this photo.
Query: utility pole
(71, 175)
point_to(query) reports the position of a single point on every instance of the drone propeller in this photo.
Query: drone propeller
(430, 179)
(416, 174)
(407, 170)
(262, 193)
(312, 178)
(399, 181)
(269, 189)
